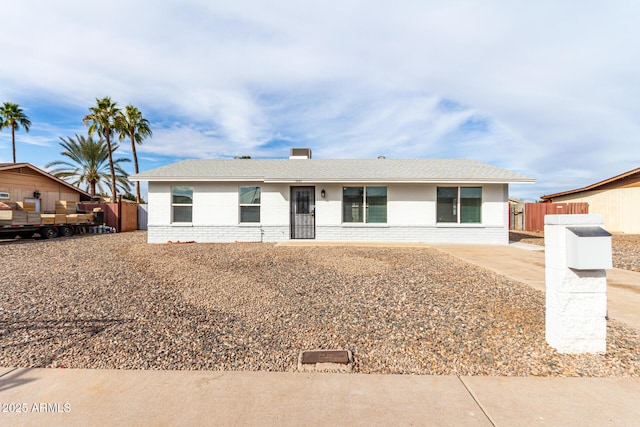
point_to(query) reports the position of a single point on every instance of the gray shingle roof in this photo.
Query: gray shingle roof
(333, 170)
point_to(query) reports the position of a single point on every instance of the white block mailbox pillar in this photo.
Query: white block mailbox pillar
(577, 252)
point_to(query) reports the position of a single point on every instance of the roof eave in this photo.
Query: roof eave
(593, 187)
(397, 181)
(565, 193)
(334, 180)
(194, 179)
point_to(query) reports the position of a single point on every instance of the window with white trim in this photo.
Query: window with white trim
(366, 204)
(250, 204)
(182, 204)
(459, 205)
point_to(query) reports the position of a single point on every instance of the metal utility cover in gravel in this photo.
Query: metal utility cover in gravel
(325, 361)
(113, 301)
(324, 356)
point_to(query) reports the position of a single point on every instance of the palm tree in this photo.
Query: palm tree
(136, 127)
(87, 164)
(11, 116)
(104, 119)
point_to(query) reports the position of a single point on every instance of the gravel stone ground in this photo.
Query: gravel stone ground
(625, 248)
(113, 301)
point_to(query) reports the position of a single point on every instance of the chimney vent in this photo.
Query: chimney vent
(300, 153)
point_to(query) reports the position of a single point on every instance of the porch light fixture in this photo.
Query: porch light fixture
(36, 194)
(323, 193)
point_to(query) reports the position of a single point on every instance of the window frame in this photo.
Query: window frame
(459, 206)
(174, 205)
(364, 210)
(243, 205)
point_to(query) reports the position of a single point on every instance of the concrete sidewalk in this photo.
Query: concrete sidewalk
(73, 397)
(525, 263)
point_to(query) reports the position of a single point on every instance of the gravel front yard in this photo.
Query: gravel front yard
(112, 301)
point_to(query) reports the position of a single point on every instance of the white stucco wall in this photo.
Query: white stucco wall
(495, 212)
(412, 204)
(159, 201)
(411, 215)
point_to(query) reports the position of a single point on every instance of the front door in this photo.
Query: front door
(303, 211)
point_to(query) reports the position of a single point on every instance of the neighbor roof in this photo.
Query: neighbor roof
(332, 170)
(598, 185)
(11, 166)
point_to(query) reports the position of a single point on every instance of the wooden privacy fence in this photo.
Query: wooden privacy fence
(128, 216)
(123, 216)
(516, 216)
(535, 212)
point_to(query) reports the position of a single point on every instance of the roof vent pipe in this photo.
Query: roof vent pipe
(300, 153)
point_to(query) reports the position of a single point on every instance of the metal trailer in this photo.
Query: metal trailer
(45, 231)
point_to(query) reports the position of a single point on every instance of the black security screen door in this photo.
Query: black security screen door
(303, 207)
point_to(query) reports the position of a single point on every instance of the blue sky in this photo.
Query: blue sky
(550, 90)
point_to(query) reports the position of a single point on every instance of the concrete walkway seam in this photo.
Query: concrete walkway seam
(475, 399)
(8, 372)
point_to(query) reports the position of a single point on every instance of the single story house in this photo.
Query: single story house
(617, 199)
(373, 200)
(23, 182)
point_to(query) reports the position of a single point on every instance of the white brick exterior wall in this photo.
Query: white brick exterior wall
(243, 233)
(411, 215)
(217, 233)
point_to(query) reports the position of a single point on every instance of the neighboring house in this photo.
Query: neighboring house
(390, 200)
(617, 199)
(22, 182)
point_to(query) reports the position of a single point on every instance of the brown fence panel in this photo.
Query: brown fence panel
(534, 216)
(535, 212)
(128, 216)
(578, 208)
(110, 214)
(123, 218)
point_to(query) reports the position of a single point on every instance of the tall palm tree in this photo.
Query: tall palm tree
(136, 127)
(87, 164)
(11, 116)
(104, 118)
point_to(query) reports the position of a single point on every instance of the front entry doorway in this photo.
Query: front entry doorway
(303, 212)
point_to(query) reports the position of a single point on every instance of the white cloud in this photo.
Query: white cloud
(180, 141)
(554, 84)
